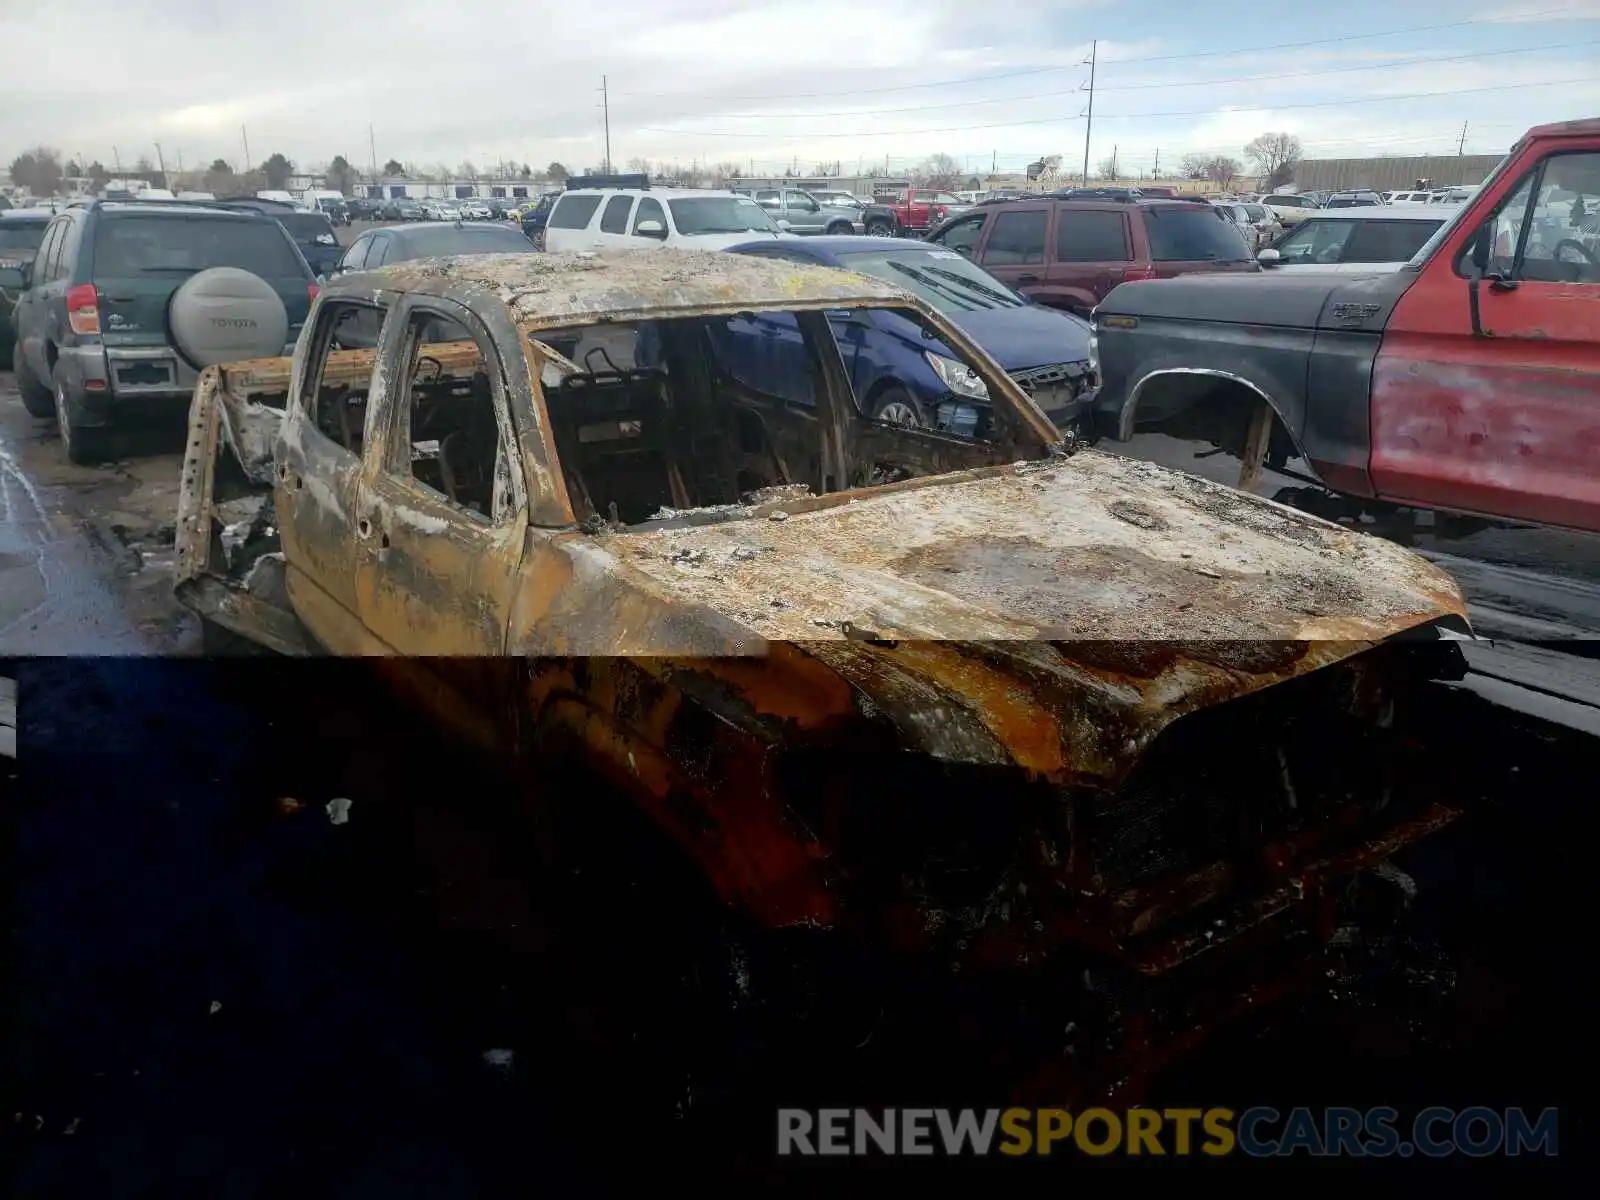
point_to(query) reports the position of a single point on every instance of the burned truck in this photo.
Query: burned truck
(1015, 708)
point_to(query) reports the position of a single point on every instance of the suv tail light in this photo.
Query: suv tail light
(938, 212)
(312, 291)
(1136, 273)
(83, 309)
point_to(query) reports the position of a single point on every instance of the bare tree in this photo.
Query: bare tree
(638, 166)
(725, 174)
(556, 173)
(1222, 169)
(1049, 167)
(1108, 168)
(1276, 156)
(467, 169)
(1194, 166)
(393, 167)
(938, 171)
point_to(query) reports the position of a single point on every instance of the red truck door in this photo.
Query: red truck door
(1486, 392)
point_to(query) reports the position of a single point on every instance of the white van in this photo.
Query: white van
(697, 219)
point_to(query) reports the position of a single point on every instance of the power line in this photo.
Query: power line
(907, 87)
(1189, 84)
(1198, 112)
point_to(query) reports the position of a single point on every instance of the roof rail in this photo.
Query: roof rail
(1097, 193)
(641, 182)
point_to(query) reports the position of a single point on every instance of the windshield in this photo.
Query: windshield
(21, 235)
(185, 244)
(720, 214)
(305, 227)
(943, 278)
(1193, 235)
(1420, 258)
(482, 239)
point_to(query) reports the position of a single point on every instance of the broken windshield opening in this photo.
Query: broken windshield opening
(696, 420)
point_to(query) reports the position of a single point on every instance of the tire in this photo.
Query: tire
(899, 407)
(842, 229)
(880, 229)
(86, 445)
(39, 400)
(538, 239)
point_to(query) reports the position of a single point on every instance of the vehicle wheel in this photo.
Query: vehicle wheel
(36, 398)
(538, 240)
(86, 445)
(879, 229)
(842, 229)
(896, 406)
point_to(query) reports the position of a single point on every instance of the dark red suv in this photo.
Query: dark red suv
(1070, 253)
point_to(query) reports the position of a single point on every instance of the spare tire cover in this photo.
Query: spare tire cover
(226, 314)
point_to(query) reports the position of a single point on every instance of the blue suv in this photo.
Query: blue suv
(901, 375)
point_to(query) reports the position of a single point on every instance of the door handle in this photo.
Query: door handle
(1027, 279)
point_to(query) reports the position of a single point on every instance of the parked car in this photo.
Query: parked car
(118, 312)
(1255, 222)
(332, 205)
(392, 244)
(592, 218)
(313, 232)
(796, 211)
(1355, 199)
(1454, 195)
(971, 722)
(1467, 381)
(1412, 197)
(1354, 241)
(917, 211)
(1070, 253)
(1291, 210)
(21, 231)
(476, 210)
(535, 215)
(899, 374)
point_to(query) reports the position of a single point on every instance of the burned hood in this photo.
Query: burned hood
(1088, 547)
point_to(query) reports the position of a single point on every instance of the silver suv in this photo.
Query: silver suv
(796, 211)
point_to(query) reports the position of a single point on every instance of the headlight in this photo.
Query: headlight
(958, 377)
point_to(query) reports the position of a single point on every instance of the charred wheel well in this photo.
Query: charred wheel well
(1210, 408)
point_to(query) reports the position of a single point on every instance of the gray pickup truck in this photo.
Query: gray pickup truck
(797, 211)
(1467, 382)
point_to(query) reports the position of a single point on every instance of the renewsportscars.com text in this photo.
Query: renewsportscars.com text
(1212, 1132)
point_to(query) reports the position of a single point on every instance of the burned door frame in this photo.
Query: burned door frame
(317, 486)
(437, 587)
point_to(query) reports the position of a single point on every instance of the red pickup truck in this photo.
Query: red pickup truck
(914, 212)
(1466, 382)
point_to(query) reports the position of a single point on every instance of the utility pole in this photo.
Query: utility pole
(162, 164)
(1094, 54)
(605, 105)
(1113, 162)
(116, 158)
(1155, 171)
(245, 134)
(372, 149)
(180, 162)
(1462, 144)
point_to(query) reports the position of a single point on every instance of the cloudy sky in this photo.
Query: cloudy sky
(767, 82)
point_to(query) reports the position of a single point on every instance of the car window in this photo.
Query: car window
(719, 214)
(1192, 234)
(649, 210)
(800, 201)
(1563, 238)
(943, 278)
(1091, 236)
(1255, 212)
(615, 217)
(1017, 238)
(21, 237)
(130, 245)
(1316, 241)
(50, 252)
(378, 253)
(944, 198)
(1287, 201)
(474, 239)
(1387, 241)
(451, 432)
(963, 235)
(767, 196)
(573, 212)
(355, 257)
(337, 405)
